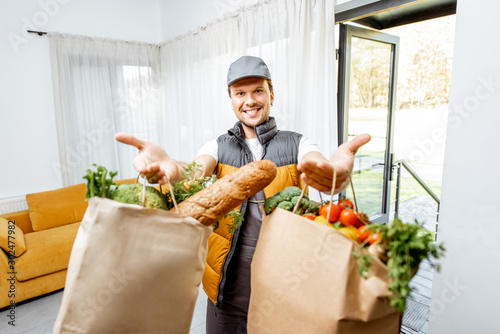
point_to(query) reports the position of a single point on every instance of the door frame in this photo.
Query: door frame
(346, 32)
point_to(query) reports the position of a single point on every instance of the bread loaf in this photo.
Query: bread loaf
(214, 202)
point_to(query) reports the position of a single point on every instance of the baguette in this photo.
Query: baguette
(214, 202)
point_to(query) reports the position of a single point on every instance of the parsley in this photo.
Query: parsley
(237, 220)
(98, 182)
(406, 246)
(193, 183)
(364, 262)
(190, 185)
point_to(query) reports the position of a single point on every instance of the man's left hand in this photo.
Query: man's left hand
(317, 171)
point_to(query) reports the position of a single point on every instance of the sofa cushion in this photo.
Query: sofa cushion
(47, 251)
(126, 181)
(57, 207)
(16, 239)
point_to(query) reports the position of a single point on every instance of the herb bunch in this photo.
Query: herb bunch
(406, 246)
(191, 184)
(99, 182)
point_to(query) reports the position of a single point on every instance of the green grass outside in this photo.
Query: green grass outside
(368, 189)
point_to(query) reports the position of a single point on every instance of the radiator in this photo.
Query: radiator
(13, 204)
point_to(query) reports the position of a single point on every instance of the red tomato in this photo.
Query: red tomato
(345, 204)
(348, 217)
(374, 238)
(334, 213)
(363, 233)
(362, 219)
(309, 216)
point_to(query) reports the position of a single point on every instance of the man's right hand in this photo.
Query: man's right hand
(152, 161)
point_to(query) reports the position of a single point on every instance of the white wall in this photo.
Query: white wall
(465, 294)
(192, 14)
(188, 15)
(27, 121)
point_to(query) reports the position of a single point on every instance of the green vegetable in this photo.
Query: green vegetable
(304, 202)
(98, 183)
(306, 205)
(364, 262)
(291, 195)
(132, 194)
(190, 185)
(289, 192)
(313, 207)
(272, 202)
(237, 220)
(286, 205)
(406, 245)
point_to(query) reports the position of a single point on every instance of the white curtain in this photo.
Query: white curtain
(175, 94)
(101, 87)
(296, 40)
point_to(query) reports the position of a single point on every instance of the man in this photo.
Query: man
(226, 279)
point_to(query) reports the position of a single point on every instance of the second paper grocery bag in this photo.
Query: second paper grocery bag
(304, 279)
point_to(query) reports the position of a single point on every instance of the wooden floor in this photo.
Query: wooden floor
(424, 209)
(416, 316)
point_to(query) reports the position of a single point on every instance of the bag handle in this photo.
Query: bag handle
(172, 194)
(333, 188)
(169, 187)
(331, 195)
(334, 179)
(300, 198)
(353, 194)
(143, 202)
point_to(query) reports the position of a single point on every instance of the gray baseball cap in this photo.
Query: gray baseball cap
(246, 67)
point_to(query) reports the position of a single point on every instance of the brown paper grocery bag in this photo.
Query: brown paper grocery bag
(305, 280)
(133, 270)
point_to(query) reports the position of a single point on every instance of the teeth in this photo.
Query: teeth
(252, 112)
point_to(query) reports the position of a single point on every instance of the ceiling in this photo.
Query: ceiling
(384, 14)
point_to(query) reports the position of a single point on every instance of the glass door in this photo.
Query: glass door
(366, 101)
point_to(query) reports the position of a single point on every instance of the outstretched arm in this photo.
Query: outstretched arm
(317, 171)
(155, 164)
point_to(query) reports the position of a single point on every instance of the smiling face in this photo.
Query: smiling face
(251, 100)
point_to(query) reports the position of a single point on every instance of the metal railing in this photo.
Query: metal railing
(400, 164)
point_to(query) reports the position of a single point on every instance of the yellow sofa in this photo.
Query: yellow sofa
(44, 235)
(47, 230)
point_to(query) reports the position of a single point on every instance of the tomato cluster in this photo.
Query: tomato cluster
(346, 220)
